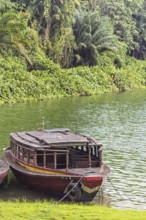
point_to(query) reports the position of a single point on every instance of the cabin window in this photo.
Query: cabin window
(12, 147)
(79, 157)
(51, 160)
(25, 155)
(31, 157)
(94, 151)
(20, 153)
(60, 160)
(40, 158)
(84, 156)
(15, 150)
(45, 159)
(55, 159)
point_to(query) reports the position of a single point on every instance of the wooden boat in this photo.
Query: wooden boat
(4, 169)
(58, 161)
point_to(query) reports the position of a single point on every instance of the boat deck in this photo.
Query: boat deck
(104, 170)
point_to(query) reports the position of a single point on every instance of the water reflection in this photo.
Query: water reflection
(118, 120)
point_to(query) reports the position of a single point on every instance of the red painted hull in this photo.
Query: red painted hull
(42, 182)
(4, 169)
(57, 184)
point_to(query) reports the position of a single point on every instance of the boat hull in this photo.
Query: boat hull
(41, 182)
(4, 169)
(84, 186)
(56, 185)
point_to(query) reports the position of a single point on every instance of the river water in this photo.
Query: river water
(118, 120)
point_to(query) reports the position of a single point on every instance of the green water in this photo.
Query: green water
(118, 120)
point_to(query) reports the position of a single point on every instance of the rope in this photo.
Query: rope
(114, 187)
(57, 203)
(100, 189)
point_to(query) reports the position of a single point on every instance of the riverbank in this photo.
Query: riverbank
(49, 80)
(51, 211)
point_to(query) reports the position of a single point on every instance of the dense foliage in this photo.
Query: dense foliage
(70, 47)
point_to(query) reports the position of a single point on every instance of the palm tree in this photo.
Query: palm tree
(5, 5)
(12, 27)
(94, 35)
(140, 49)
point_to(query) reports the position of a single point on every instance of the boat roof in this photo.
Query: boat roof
(61, 137)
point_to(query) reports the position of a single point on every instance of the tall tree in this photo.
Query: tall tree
(61, 34)
(53, 20)
(140, 17)
(14, 33)
(5, 5)
(94, 35)
(120, 14)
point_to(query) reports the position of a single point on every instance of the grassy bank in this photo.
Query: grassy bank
(49, 80)
(46, 210)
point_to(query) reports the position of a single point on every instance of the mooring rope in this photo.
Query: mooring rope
(114, 187)
(57, 203)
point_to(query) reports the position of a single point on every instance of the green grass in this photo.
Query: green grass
(51, 211)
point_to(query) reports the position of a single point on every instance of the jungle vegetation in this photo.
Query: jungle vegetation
(53, 48)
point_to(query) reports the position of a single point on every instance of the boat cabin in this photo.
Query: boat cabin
(56, 149)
